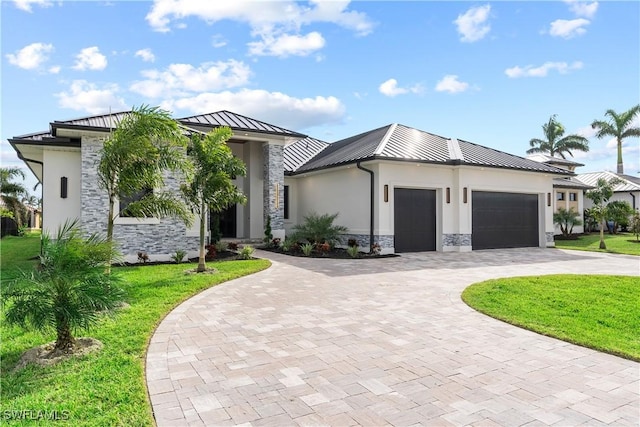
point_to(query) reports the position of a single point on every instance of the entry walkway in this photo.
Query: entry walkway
(382, 342)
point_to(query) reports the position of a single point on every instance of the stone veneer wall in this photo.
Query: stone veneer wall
(384, 240)
(549, 236)
(273, 174)
(456, 240)
(163, 238)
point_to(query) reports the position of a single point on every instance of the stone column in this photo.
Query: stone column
(273, 197)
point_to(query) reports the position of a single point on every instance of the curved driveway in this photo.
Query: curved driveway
(382, 342)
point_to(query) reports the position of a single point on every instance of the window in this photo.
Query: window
(560, 196)
(286, 202)
(573, 197)
(125, 201)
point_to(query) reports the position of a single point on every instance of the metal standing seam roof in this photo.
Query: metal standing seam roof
(545, 158)
(570, 182)
(299, 152)
(629, 183)
(237, 122)
(101, 121)
(399, 142)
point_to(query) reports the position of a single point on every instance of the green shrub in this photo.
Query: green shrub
(287, 244)
(221, 246)
(307, 248)
(246, 252)
(178, 257)
(319, 229)
(353, 251)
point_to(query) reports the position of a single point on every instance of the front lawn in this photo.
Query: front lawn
(599, 312)
(107, 388)
(616, 243)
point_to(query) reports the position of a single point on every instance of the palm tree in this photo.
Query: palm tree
(13, 192)
(555, 143)
(211, 187)
(69, 290)
(618, 126)
(600, 195)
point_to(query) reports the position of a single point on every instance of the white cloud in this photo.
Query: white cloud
(472, 24)
(90, 58)
(451, 84)
(542, 70)
(146, 55)
(272, 107)
(586, 131)
(218, 41)
(286, 45)
(277, 24)
(183, 79)
(568, 28)
(31, 57)
(26, 4)
(391, 88)
(85, 96)
(582, 8)
(55, 69)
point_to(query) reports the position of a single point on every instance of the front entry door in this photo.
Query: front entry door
(226, 222)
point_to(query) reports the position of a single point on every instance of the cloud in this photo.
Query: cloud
(218, 41)
(30, 57)
(146, 55)
(184, 79)
(451, 84)
(542, 70)
(85, 96)
(55, 69)
(286, 45)
(391, 88)
(568, 28)
(582, 8)
(26, 4)
(276, 24)
(472, 24)
(586, 131)
(90, 58)
(273, 107)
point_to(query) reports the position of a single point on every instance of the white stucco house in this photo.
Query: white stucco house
(627, 189)
(403, 188)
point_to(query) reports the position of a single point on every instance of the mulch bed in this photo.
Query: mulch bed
(336, 253)
(220, 256)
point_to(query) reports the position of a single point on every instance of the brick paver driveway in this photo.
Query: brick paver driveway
(382, 342)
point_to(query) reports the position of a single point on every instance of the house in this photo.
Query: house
(403, 188)
(568, 191)
(627, 189)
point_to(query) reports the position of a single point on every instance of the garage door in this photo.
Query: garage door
(414, 220)
(504, 220)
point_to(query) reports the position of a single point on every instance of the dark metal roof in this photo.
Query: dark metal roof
(479, 155)
(237, 122)
(399, 142)
(349, 150)
(298, 153)
(104, 122)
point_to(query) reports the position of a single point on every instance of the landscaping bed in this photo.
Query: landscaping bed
(332, 253)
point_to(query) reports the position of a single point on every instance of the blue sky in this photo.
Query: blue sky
(488, 72)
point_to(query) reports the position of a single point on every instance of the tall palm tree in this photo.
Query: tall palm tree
(12, 193)
(555, 143)
(620, 127)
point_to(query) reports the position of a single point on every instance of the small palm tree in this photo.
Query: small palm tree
(555, 143)
(566, 220)
(12, 193)
(600, 196)
(69, 290)
(618, 126)
(319, 229)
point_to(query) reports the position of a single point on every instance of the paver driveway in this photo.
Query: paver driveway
(382, 342)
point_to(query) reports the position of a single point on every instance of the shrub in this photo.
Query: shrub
(268, 236)
(246, 252)
(179, 256)
(353, 251)
(635, 225)
(352, 242)
(323, 248)
(319, 228)
(376, 249)
(306, 249)
(221, 246)
(143, 257)
(232, 246)
(211, 251)
(287, 244)
(619, 212)
(566, 219)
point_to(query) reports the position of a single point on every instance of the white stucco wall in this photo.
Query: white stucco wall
(290, 222)
(59, 163)
(623, 195)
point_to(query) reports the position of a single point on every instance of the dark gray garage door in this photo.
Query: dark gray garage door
(504, 220)
(414, 220)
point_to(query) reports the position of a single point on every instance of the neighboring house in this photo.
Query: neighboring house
(628, 189)
(568, 192)
(407, 189)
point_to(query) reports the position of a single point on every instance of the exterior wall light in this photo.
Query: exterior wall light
(64, 182)
(464, 195)
(386, 193)
(448, 195)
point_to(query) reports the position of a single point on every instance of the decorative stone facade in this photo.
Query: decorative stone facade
(385, 241)
(549, 236)
(456, 240)
(274, 185)
(161, 237)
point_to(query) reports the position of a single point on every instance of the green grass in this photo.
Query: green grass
(616, 243)
(107, 388)
(599, 312)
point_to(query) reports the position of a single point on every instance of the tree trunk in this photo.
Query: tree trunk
(201, 256)
(110, 231)
(620, 165)
(602, 245)
(64, 339)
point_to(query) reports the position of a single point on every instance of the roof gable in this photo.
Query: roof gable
(628, 182)
(237, 122)
(299, 152)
